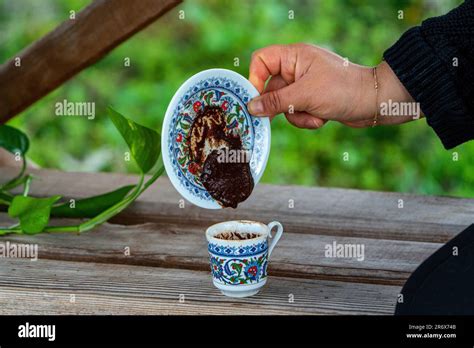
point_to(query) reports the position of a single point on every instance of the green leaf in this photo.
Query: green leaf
(13, 140)
(155, 176)
(238, 267)
(33, 213)
(230, 117)
(182, 160)
(144, 143)
(4, 196)
(4, 201)
(91, 206)
(208, 97)
(20, 179)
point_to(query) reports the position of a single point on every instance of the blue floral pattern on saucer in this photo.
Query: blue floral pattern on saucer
(231, 92)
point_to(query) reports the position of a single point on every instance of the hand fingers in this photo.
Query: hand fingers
(305, 120)
(270, 61)
(276, 82)
(297, 119)
(278, 101)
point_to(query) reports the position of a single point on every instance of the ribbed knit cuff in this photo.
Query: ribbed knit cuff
(427, 79)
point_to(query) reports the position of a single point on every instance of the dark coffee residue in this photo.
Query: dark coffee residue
(227, 182)
(232, 235)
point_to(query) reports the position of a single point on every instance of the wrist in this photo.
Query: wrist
(369, 102)
(393, 94)
(363, 100)
(394, 89)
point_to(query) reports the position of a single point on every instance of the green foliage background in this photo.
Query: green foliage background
(407, 158)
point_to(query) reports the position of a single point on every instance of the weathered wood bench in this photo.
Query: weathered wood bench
(167, 271)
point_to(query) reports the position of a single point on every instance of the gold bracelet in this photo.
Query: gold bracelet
(376, 85)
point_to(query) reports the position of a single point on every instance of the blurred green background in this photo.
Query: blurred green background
(407, 158)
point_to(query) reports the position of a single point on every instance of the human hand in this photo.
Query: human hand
(312, 85)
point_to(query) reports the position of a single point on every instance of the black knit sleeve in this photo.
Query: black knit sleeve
(435, 63)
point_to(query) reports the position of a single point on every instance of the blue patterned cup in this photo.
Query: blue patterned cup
(239, 267)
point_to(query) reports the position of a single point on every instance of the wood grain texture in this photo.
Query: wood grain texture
(320, 211)
(182, 246)
(45, 287)
(71, 47)
(169, 257)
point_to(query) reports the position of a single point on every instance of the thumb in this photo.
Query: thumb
(276, 101)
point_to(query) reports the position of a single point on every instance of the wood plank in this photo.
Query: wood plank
(183, 246)
(320, 211)
(7, 159)
(71, 47)
(45, 287)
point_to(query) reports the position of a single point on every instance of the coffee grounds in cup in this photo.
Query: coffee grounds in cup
(233, 235)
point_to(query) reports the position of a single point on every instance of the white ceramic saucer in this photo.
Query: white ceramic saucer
(216, 87)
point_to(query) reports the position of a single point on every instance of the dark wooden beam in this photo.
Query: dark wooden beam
(71, 47)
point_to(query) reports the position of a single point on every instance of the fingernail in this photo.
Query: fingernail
(255, 106)
(312, 123)
(315, 124)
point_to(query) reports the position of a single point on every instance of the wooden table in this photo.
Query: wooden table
(167, 271)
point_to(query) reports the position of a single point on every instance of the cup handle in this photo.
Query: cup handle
(277, 237)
